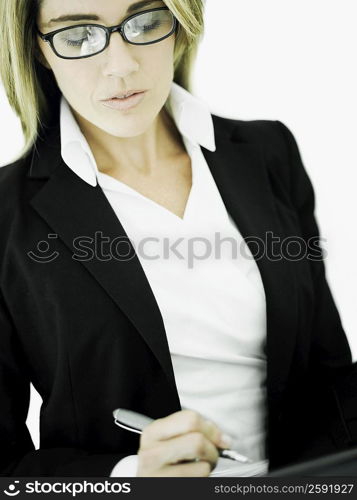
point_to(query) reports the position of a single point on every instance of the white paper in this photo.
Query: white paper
(229, 468)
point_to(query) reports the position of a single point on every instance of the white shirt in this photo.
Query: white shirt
(213, 307)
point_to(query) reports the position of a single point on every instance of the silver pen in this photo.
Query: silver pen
(135, 422)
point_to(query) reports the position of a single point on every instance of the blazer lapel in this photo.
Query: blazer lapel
(73, 208)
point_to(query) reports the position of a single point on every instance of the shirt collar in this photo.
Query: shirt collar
(190, 114)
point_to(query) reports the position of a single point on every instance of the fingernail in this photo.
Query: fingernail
(226, 440)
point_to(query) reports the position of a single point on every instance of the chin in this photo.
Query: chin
(124, 131)
(127, 126)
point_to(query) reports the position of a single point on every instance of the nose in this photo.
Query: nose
(119, 59)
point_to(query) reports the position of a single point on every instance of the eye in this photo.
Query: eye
(148, 27)
(77, 36)
(74, 43)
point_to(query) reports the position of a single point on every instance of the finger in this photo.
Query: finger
(193, 469)
(183, 448)
(214, 433)
(178, 423)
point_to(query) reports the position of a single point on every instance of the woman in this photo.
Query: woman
(96, 318)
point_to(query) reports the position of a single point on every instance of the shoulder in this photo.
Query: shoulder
(272, 139)
(272, 135)
(14, 195)
(12, 182)
(280, 154)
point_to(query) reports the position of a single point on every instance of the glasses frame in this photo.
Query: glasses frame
(48, 37)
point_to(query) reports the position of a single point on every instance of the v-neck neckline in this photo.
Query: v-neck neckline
(131, 191)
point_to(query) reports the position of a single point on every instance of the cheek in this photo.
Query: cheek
(72, 77)
(161, 58)
(155, 65)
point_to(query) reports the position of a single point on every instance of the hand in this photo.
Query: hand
(167, 443)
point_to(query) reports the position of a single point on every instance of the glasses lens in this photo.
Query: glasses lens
(79, 41)
(149, 27)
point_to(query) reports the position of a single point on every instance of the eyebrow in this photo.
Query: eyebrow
(93, 17)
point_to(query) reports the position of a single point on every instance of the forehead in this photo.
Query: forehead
(103, 10)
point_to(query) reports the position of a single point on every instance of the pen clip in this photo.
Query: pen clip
(126, 427)
(131, 420)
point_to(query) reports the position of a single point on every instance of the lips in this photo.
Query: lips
(124, 103)
(123, 95)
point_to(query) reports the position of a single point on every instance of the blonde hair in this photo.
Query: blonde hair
(31, 88)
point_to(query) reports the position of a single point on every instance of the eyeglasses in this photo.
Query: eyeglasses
(86, 40)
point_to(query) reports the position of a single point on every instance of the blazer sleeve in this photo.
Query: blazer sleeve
(18, 456)
(330, 366)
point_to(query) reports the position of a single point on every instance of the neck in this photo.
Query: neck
(142, 154)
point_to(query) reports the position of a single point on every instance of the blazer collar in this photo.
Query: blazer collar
(46, 153)
(72, 207)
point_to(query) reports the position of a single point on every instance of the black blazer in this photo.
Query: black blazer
(89, 334)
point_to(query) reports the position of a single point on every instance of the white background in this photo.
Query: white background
(291, 60)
